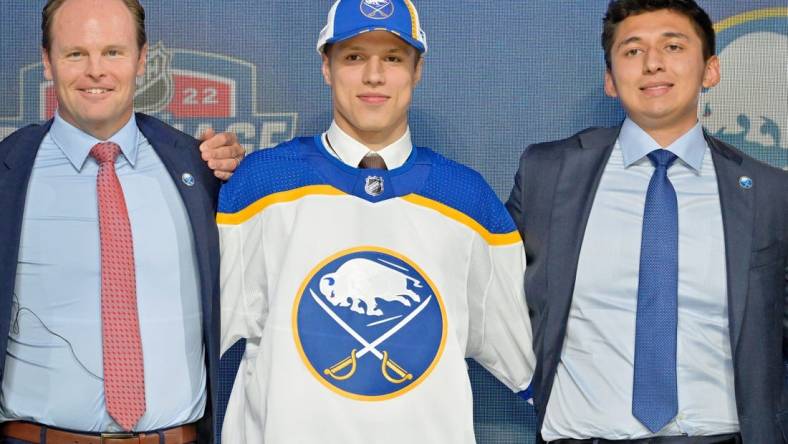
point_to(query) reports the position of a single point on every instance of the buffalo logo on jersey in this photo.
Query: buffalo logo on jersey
(377, 9)
(369, 324)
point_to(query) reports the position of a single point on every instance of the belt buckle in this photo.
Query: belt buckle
(119, 435)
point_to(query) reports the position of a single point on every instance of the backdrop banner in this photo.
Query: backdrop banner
(498, 76)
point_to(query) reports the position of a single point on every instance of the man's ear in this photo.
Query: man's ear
(142, 60)
(47, 64)
(610, 84)
(712, 73)
(326, 68)
(419, 69)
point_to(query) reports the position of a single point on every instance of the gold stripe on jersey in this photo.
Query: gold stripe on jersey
(491, 238)
(260, 205)
(285, 196)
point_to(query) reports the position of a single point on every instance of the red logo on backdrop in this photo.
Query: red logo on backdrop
(191, 90)
(180, 93)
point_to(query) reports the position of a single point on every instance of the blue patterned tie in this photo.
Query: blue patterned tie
(654, 397)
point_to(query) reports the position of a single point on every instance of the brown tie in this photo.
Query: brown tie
(372, 161)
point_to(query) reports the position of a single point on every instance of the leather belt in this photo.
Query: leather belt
(30, 432)
(731, 438)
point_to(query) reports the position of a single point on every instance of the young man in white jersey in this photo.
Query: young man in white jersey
(362, 270)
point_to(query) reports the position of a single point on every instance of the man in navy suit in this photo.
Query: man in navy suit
(657, 255)
(57, 255)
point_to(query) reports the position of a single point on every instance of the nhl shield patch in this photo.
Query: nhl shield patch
(373, 185)
(369, 324)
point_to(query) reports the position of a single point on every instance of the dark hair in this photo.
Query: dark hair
(48, 14)
(619, 10)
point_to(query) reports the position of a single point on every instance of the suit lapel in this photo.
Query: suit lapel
(181, 166)
(737, 218)
(197, 186)
(15, 170)
(24, 149)
(16, 166)
(167, 149)
(576, 185)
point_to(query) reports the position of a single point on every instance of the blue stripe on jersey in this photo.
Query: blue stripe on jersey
(265, 172)
(465, 190)
(304, 161)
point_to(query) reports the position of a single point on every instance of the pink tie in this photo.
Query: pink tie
(124, 383)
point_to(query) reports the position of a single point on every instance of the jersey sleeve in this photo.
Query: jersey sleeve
(500, 336)
(243, 302)
(243, 280)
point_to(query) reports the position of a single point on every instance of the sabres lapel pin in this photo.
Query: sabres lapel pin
(187, 179)
(745, 182)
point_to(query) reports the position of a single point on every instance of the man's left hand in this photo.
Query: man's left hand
(221, 152)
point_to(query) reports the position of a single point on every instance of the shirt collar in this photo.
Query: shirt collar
(635, 143)
(76, 144)
(350, 151)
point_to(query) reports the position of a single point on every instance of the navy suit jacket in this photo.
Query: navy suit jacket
(551, 201)
(180, 154)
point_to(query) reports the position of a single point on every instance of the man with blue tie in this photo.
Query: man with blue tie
(656, 256)
(108, 251)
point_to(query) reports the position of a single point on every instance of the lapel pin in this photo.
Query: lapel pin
(745, 182)
(187, 179)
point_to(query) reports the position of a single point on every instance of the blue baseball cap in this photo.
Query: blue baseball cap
(349, 18)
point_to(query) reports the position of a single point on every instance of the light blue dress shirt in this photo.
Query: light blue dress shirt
(592, 392)
(53, 370)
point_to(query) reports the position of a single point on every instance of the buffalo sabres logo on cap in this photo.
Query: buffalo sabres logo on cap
(374, 185)
(369, 324)
(377, 9)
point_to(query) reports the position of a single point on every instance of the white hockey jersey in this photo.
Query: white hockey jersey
(360, 293)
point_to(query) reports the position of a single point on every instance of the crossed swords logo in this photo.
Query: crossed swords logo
(387, 364)
(380, 9)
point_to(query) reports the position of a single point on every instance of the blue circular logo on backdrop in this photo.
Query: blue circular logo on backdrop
(369, 324)
(747, 109)
(377, 9)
